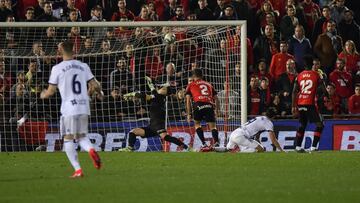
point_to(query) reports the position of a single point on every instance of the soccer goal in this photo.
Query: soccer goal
(125, 57)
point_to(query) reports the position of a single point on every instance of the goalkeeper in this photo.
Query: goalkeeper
(157, 116)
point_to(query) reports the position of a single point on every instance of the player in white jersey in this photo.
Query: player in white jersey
(72, 78)
(245, 136)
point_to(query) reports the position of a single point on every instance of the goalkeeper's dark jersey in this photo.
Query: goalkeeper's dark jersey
(157, 111)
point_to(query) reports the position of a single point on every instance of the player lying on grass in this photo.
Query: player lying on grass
(245, 136)
(157, 117)
(72, 77)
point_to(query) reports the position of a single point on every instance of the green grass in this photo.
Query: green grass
(183, 177)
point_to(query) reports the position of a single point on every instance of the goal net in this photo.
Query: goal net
(124, 57)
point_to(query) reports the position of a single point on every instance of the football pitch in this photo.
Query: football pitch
(182, 177)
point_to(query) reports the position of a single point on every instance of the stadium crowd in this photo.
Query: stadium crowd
(280, 33)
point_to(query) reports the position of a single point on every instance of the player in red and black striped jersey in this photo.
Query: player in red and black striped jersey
(303, 100)
(205, 102)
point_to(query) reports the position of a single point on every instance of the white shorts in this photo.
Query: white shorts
(74, 125)
(237, 138)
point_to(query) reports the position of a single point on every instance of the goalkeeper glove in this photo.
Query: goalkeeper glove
(149, 83)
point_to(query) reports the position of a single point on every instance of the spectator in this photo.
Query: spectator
(263, 73)
(312, 14)
(115, 43)
(153, 64)
(216, 61)
(320, 24)
(32, 77)
(266, 45)
(87, 45)
(330, 102)
(70, 7)
(229, 13)
(265, 95)
(328, 45)
(278, 106)
(39, 9)
(299, 11)
(229, 101)
(278, 6)
(122, 12)
(4, 12)
(285, 84)
(179, 14)
(349, 29)
(5, 81)
(278, 61)
(152, 12)
(219, 9)
(299, 46)
(337, 10)
(288, 23)
(50, 41)
(144, 14)
(204, 12)
(351, 57)
(270, 20)
(20, 80)
(354, 101)
(173, 55)
(266, 8)
(102, 70)
(235, 44)
(174, 77)
(8, 35)
(253, 98)
(317, 67)
(30, 14)
(97, 33)
(75, 37)
(170, 10)
(343, 82)
(121, 77)
(117, 108)
(73, 16)
(47, 16)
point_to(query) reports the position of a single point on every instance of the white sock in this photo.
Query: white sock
(69, 147)
(85, 143)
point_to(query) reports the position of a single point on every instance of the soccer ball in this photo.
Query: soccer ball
(169, 38)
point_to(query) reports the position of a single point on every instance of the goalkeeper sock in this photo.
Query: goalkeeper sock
(85, 143)
(316, 139)
(215, 135)
(175, 141)
(71, 153)
(299, 139)
(200, 133)
(132, 140)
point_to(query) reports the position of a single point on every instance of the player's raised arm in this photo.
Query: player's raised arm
(275, 141)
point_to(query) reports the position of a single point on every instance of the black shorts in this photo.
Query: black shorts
(153, 130)
(204, 112)
(309, 113)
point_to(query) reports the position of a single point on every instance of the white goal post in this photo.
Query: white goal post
(16, 58)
